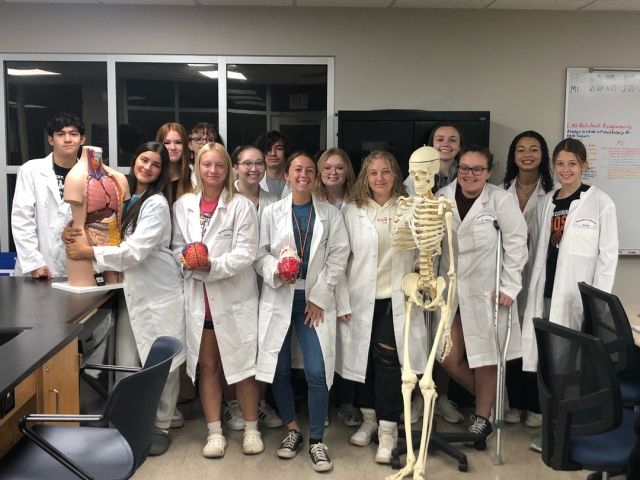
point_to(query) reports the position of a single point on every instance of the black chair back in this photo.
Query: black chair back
(141, 390)
(604, 317)
(579, 391)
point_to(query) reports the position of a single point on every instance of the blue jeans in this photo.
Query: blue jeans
(318, 394)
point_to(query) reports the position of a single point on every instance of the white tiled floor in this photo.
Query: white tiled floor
(184, 459)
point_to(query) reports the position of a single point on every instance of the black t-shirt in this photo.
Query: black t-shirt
(61, 174)
(463, 203)
(560, 212)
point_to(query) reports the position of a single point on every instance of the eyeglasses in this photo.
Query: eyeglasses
(202, 139)
(249, 165)
(476, 171)
(338, 169)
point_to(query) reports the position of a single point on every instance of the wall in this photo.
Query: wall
(509, 62)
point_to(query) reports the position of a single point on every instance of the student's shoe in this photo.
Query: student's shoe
(417, 409)
(480, 426)
(159, 442)
(177, 421)
(513, 415)
(319, 454)
(448, 410)
(536, 444)
(215, 446)
(268, 416)
(232, 415)
(533, 419)
(327, 421)
(387, 441)
(350, 415)
(291, 444)
(252, 443)
(362, 437)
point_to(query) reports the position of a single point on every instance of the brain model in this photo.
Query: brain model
(195, 255)
(288, 264)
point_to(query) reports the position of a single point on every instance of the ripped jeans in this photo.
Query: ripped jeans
(383, 381)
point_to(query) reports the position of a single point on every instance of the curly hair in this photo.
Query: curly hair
(361, 192)
(545, 166)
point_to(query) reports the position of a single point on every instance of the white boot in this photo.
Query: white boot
(387, 441)
(369, 424)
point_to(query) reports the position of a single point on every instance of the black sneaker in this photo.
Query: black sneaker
(290, 445)
(481, 426)
(320, 460)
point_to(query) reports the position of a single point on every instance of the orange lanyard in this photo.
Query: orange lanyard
(303, 242)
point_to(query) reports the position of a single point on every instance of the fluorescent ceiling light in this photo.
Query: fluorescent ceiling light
(29, 72)
(250, 102)
(214, 74)
(13, 104)
(199, 64)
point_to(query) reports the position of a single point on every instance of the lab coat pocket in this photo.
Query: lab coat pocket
(583, 239)
(246, 321)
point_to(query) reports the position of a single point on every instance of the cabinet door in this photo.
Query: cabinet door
(59, 386)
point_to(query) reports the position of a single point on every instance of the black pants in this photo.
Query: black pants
(633, 471)
(522, 387)
(344, 390)
(383, 380)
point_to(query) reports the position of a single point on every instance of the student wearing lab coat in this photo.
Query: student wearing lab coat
(221, 298)
(274, 148)
(577, 242)
(174, 137)
(316, 231)
(155, 308)
(528, 178)
(39, 212)
(478, 206)
(370, 335)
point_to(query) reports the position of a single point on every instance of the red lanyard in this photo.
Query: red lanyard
(303, 243)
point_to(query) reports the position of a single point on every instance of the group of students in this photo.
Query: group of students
(237, 314)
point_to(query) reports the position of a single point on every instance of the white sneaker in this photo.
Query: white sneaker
(350, 415)
(252, 442)
(177, 421)
(215, 446)
(387, 441)
(448, 410)
(533, 419)
(268, 416)
(417, 408)
(513, 415)
(362, 437)
(233, 416)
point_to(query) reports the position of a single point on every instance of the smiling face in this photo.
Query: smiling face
(334, 172)
(213, 170)
(447, 141)
(528, 154)
(66, 142)
(472, 183)
(381, 179)
(174, 145)
(275, 155)
(250, 167)
(301, 175)
(568, 169)
(147, 168)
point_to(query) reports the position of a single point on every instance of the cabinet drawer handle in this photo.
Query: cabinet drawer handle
(57, 393)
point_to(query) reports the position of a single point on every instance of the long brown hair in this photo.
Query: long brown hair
(184, 182)
(361, 192)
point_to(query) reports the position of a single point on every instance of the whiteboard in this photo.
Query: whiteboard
(602, 109)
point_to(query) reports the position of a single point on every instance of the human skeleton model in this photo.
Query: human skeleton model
(420, 222)
(96, 194)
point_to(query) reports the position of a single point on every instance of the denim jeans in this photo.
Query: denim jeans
(318, 395)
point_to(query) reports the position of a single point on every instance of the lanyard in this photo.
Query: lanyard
(303, 242)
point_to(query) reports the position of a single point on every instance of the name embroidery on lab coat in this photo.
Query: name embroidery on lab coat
(485, 218)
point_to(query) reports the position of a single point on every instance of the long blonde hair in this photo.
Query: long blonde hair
(319, 189)
(361, 192)
(228, 179)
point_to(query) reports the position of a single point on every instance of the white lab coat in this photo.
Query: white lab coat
(286, 191)
(232, 239)
(38, 217)
(588, 253)
(475, 241)
(357, 297)
(264, 199)
(152, 279)
(327, 261)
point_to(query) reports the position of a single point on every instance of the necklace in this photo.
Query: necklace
(526, 188)
(302, 241)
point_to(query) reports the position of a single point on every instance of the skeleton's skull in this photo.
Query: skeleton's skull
(423, 165)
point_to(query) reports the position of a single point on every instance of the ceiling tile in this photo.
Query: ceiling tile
(149, 2)
(538, 4)
(344, 3)
(470, 4)
(247, 3)
(619, 5)
(51, 1)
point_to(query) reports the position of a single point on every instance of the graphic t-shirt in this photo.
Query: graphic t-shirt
(558, 219)
(61, 174)
(207, 209)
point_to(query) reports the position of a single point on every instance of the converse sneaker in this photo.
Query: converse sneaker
(268, 416)
(232, 415)
(177, 421)
(290, 445)
(215, 446)
(252, 442)
(350, 415)
(387, 441)
(533, 419)
(512, 415)
(480, 426)
(319, 454)
(448, 410)
(362, 437)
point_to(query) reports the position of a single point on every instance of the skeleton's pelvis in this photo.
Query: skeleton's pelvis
(105, 232)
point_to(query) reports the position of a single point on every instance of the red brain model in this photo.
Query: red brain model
(195, 254)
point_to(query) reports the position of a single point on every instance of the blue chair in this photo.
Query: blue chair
(605, 318)
(7, 263)
(584, 425)
(113, 452)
